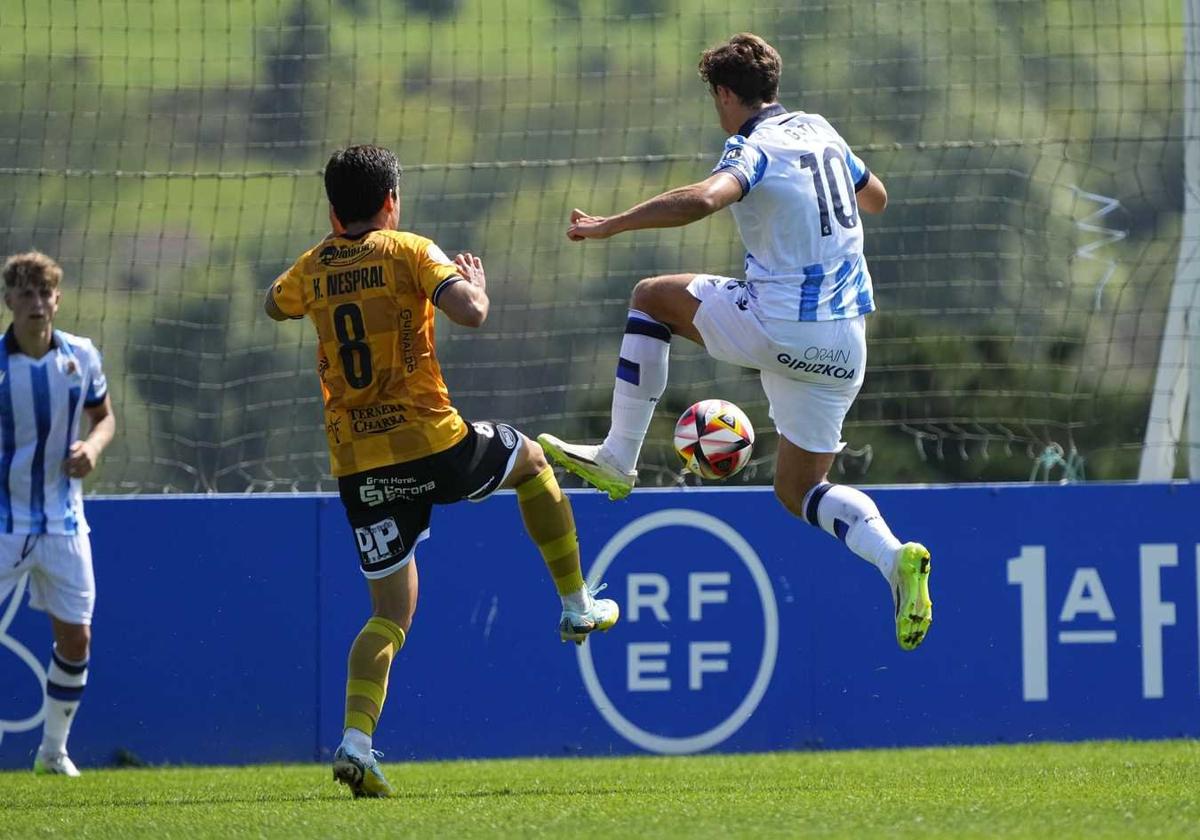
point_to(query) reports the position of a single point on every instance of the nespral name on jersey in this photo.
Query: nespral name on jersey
(349, 282)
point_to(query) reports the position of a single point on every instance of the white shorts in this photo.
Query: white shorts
(60, 573)
(811, 371)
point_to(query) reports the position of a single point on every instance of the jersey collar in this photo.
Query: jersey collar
(765, 114)
(12, 347)
(357, 236)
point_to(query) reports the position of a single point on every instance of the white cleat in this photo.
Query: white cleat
(360, 773)
(589, 462)
(54, 764)
(601, 615)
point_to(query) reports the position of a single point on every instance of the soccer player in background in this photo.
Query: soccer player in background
(397, 445)
(799, 317)
(48, 378)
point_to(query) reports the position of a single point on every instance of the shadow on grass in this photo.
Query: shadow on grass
(337, 795)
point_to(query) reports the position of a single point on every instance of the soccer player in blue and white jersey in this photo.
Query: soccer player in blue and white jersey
(48, 379)
(799, 317)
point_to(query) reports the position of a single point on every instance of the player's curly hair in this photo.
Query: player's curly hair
(747, 65)
(358, 180)
(32, 268)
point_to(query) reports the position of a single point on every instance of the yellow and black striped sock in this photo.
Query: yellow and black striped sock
(551, 525)
(370, 660)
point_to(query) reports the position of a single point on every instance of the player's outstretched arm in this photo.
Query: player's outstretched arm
(674, 208)
(873, 196)
(466, 302)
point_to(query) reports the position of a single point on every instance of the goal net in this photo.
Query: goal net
(168, 154)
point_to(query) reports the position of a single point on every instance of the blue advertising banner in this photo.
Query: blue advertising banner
(222, 628)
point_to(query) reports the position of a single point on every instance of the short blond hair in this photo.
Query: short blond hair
(32, 268)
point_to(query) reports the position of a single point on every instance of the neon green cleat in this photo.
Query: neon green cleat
(910, 593)
(587, 462)
(361, 774)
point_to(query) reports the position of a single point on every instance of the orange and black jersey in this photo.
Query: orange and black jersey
(371, 300)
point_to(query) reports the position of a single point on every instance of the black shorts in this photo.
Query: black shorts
(389, 507)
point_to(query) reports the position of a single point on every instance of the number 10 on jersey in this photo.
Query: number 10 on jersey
(847, 220)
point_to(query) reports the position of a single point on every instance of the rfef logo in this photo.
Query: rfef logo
(695, 649)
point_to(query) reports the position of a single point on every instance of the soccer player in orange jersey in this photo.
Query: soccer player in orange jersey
(397, 445)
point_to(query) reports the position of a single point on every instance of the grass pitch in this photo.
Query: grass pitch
(1048, 790)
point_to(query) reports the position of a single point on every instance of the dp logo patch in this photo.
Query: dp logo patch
(379, 541)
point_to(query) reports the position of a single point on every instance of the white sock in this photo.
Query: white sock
(579, 601)
(357, 741)
(852, 517)
(65, 680)
(641, 380)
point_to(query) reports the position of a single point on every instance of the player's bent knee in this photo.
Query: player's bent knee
(394, 596)
(74, 642)
(652, 295)
(530, 463)
(535, 456)
(643, 295)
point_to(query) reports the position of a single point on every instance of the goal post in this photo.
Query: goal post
(1176, 393)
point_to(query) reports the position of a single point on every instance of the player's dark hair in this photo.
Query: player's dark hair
(358, 180)
(33, 268)
(747, 65)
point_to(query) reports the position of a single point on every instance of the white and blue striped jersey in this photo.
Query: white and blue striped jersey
(41, 401)
(798, 217)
